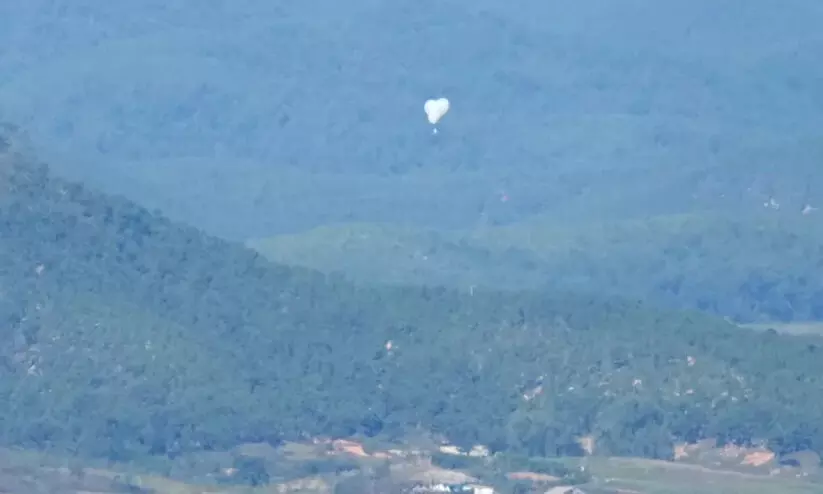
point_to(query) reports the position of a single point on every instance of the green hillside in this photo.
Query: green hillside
(130, 337)
(760, 265)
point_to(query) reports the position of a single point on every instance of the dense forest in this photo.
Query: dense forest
(128, 336)
(761, 265)
(251, 118)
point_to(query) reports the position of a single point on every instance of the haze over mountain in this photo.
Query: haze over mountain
(253, 118)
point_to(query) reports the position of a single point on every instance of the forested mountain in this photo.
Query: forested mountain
(759, 265)
(250, 118)
(127, 335)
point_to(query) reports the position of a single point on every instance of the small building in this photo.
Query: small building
(564, 489)
(482, 489)
(454, 489)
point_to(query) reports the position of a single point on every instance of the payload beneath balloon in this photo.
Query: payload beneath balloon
(435, 110)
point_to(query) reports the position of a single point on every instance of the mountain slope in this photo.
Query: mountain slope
(746, 266)
(129, 336)
(242, 101)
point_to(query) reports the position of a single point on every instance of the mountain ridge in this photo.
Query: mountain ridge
(131, 337)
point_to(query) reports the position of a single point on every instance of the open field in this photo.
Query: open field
(28, 472)
(796, 328)
(632, 475)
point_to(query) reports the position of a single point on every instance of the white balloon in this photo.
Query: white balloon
(435, 109)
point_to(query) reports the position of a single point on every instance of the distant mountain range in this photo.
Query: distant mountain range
(251, 118)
